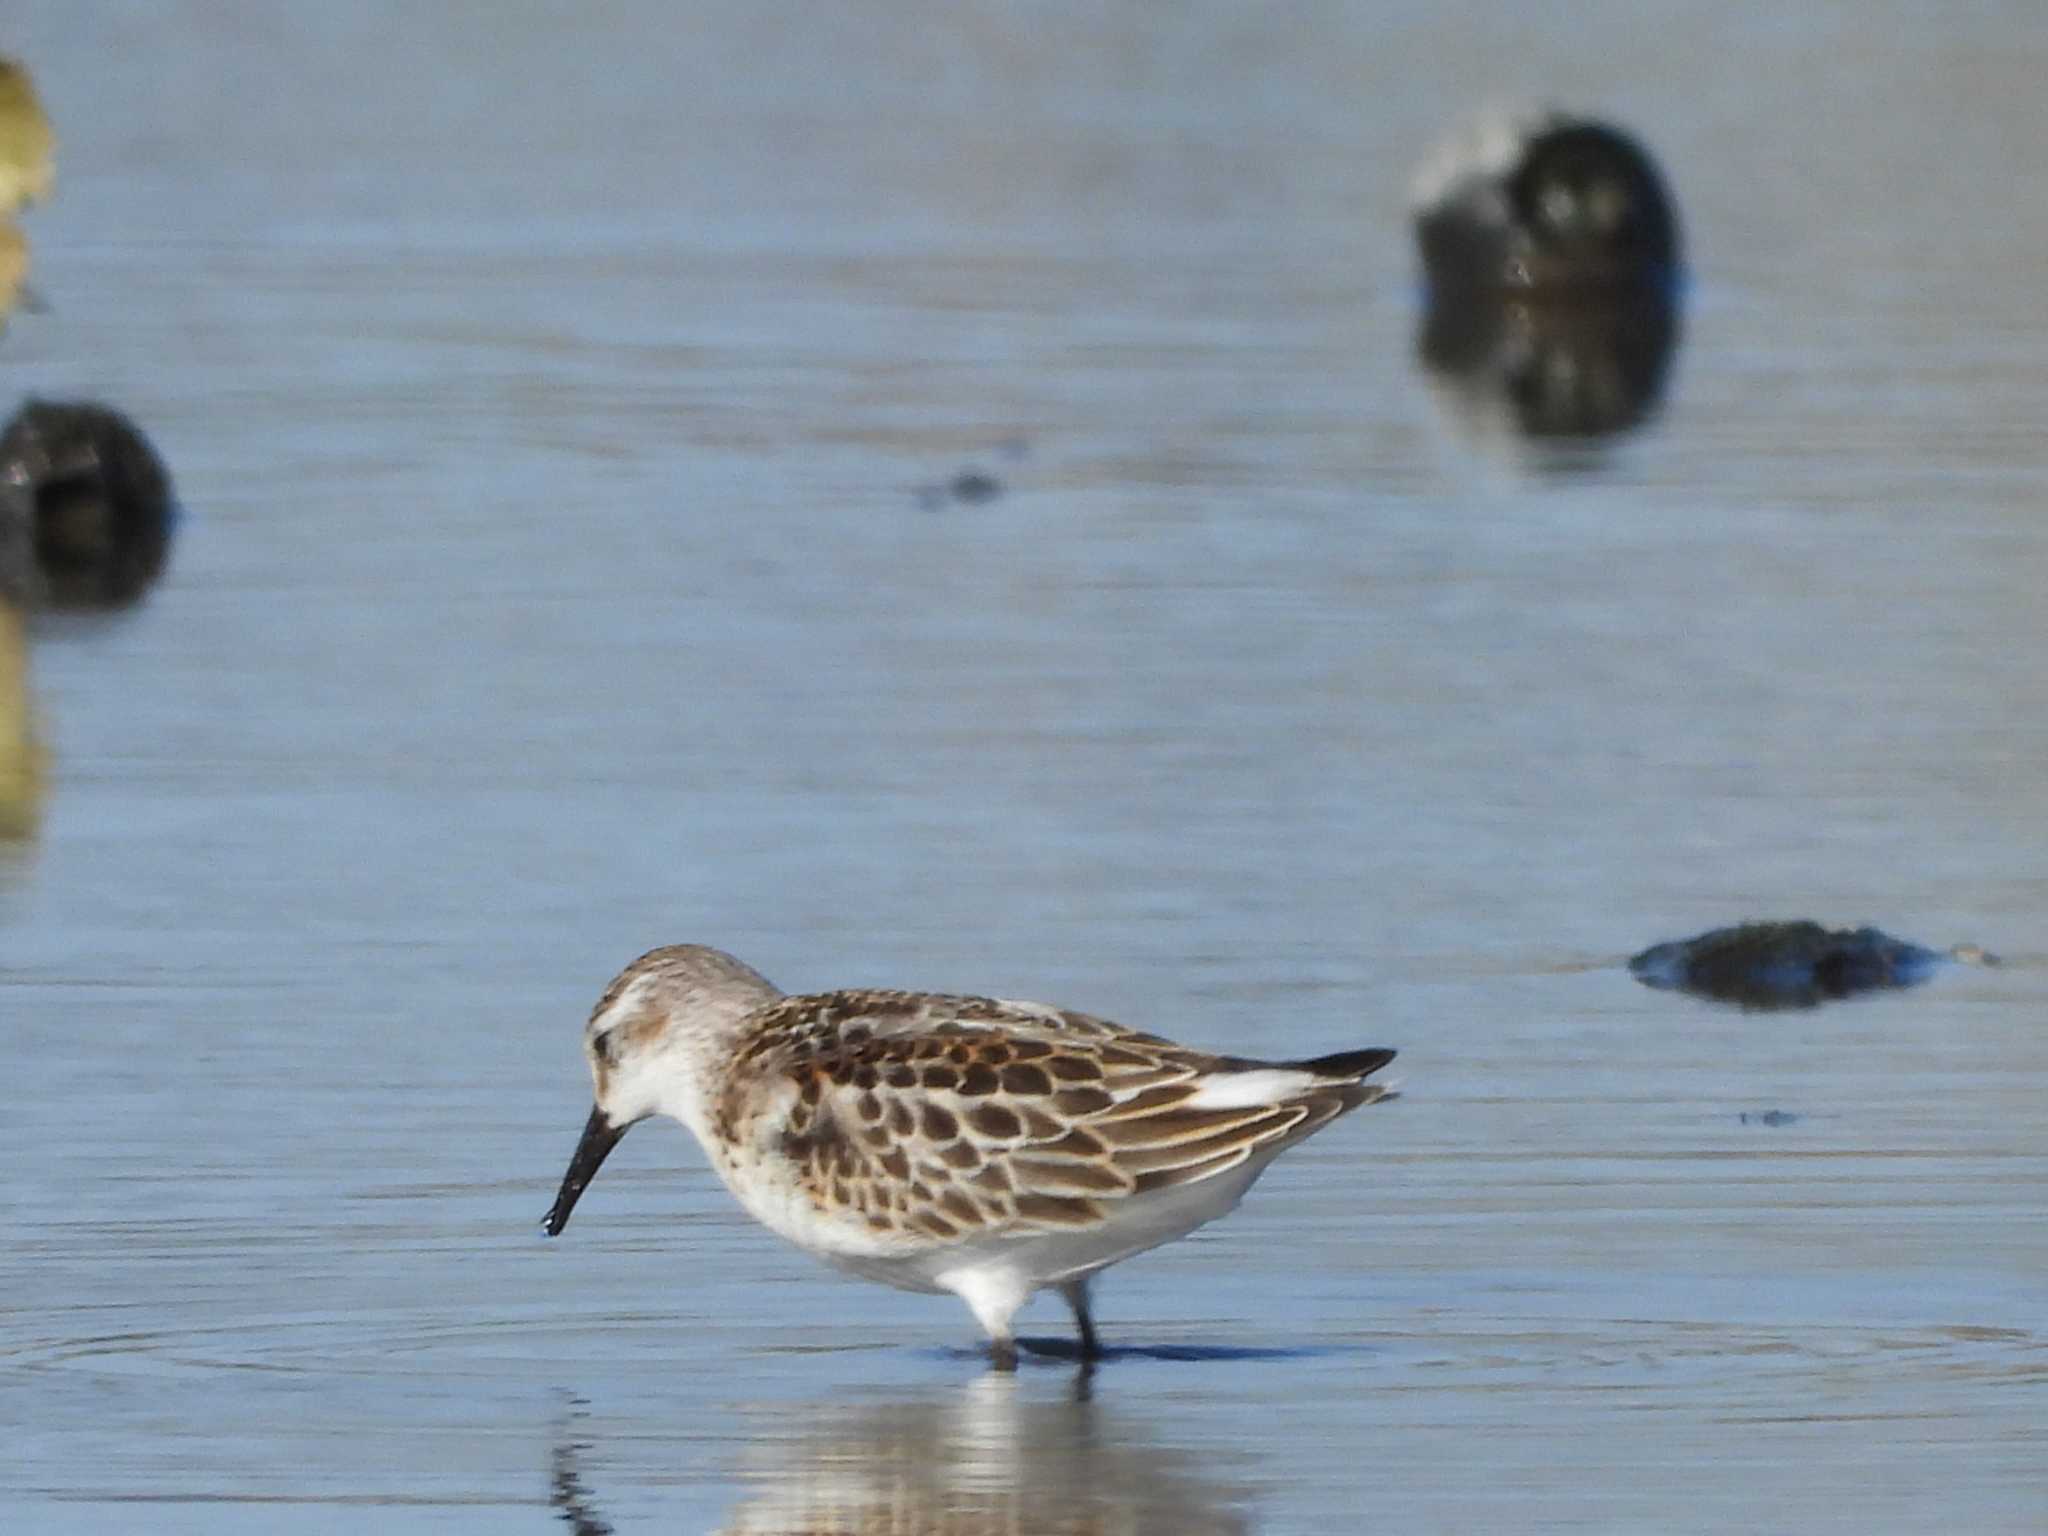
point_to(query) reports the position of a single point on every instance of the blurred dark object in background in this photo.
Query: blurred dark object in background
(1550, 254)
(1770, 966)
(1549, 202)
(970, 487)
(96, 498)
(1569, 367)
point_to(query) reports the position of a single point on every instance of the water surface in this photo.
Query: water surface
(551, 391)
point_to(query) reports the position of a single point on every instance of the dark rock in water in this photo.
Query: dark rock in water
(97, 498)
(1550, 252)
(1766, 966)
(1770, 1117)
(1548, 203)
(1588, 367)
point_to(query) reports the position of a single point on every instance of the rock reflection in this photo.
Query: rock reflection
(988, 1460)
(1786, 965)
(1569, 367)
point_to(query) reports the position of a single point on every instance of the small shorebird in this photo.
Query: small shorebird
(936, 1143)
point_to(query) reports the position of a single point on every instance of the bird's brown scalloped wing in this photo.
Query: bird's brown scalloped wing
(954, 1117)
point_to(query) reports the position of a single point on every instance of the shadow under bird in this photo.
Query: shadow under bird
(939, 1143)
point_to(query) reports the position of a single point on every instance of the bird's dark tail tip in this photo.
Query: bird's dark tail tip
(1346, 1066)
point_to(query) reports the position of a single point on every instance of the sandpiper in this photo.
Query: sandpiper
(939, 1143)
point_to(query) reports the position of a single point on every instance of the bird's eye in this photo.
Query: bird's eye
(601, 1046)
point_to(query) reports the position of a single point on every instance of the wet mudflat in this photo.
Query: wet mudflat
(556, 581)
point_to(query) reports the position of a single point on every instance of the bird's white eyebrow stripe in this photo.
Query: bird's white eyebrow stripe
(626, 1003)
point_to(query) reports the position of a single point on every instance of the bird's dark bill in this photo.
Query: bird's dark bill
(599, 1137)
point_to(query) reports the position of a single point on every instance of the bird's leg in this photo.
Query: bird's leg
(994, 1297)
(1076, 1292)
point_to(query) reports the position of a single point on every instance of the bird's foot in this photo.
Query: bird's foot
(1090, 1349)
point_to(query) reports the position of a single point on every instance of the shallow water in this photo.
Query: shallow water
(552, 398)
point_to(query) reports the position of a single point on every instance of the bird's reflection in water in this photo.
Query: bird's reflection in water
(991, 1458)
(1558, 370)
(566, 1489)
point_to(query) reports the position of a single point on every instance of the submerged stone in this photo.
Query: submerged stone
(970, 487)
(96, 499)
(974, 485)
(1765, 966)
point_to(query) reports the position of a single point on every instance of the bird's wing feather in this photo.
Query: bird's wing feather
(955, 1117)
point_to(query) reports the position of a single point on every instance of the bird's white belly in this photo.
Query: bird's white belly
(1027, 1258)
(842, 1239)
